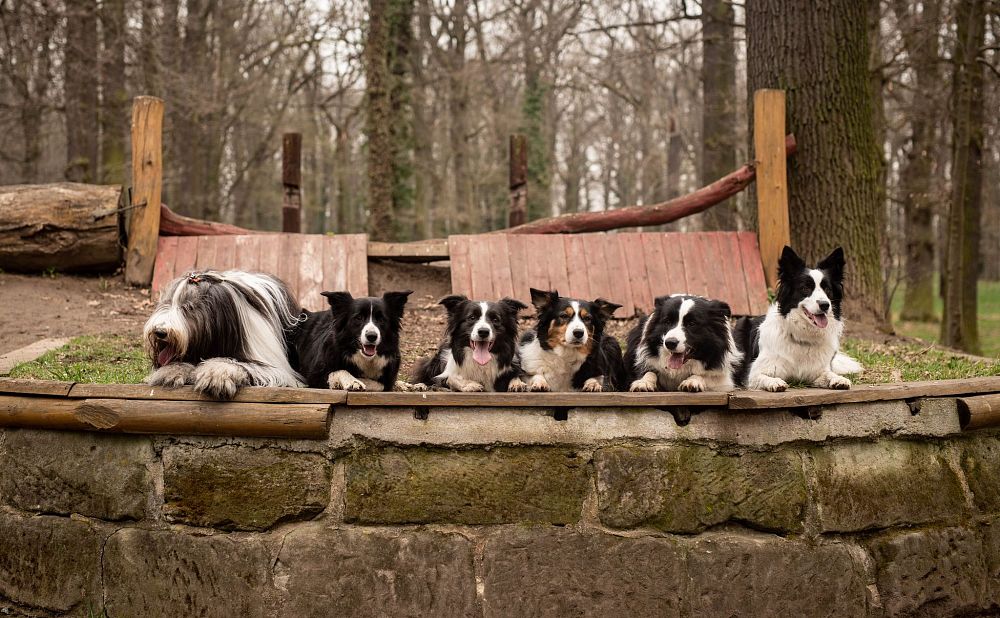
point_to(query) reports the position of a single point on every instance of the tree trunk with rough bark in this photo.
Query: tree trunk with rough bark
(818, 53)
(718, 126)
(917, 179)
(80, 68)
(958, 324)
(114, 104)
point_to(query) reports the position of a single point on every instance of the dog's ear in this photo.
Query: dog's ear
(833, 263)
(605, 308)
(453, 302)
(660, 301)
(789, 263)
(542, 299)
(339, 301)
(721, 308)
(395, 301)
(513, 305)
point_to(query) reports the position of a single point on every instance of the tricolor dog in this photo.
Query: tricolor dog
(353, 346)
(568, 349)
(799, 338)
(685, 344)
(479, 352)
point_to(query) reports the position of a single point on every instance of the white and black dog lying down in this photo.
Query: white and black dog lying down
(354, 345)
(567, 350)
(799, 338)
(220, 331)
(479, 352)
(685, 344)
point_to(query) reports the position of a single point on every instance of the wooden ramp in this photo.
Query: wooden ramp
(631, 269)
(308, 263)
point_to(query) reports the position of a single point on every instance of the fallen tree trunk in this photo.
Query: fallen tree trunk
(173, 224)
(655, 214)
(65, 226)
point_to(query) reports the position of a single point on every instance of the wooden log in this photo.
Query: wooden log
(197, 418)
(979, 412)
(799, 397)
(517, 175)
(66, 226)
(35, 387)
(147, 183)
(247, 394)
(291, 179)
(655, 214)
(772, 179)
(173, 224)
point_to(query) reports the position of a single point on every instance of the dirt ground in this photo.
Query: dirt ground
(36, 306)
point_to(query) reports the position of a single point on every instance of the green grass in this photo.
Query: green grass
(910, 362)
(96, 359)
(989, 318)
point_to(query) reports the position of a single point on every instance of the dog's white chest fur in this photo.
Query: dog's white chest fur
(371, 366)
(792, 348)
(557, 365)
(485, 375)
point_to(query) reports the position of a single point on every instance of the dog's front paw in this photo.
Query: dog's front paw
(517, 385)
(539, 384)
(694, 384)
(172, 375)
(472, 387)
(219, 379)
(839, 382)
(644, 384)
(767, 383)
(344, 381)
(407, 387)
(592, 385)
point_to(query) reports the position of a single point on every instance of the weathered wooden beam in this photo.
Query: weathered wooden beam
(173, 224)
(35, 387)
(799, 397)
(539, 400)
(418, 251)
(774, 230)
(979, 412)
(147, 183)
(291, 180)
(247, 394)
(199, 418)
(655, 214)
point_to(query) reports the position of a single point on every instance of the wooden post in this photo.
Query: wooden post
(291, 178)
(518, 175)
(772, 179)
(147, 184)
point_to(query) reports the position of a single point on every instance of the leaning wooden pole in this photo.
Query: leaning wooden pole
(656, 214)
(518, 180)
(773, 228)
(291, 179)
(147, 184)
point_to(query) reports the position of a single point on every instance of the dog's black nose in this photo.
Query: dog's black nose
(160, 333)
(483, 333)
(578, 333)
(823, 305)
(371, 337)
(671, 343)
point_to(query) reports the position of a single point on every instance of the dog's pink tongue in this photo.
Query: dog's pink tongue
(676, 361)
(165, 356)
(481, 352)
(820, 320)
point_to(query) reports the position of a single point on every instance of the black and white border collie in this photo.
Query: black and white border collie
(568, 350)
(220, 331)
(685, 344)
(479, 352)
(799, 338)
(353, 346)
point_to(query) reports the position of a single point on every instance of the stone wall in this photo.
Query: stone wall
(869, 511)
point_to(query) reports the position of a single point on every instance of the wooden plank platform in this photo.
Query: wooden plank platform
(630, 269)
(308, 263)
(800, 397)
(539, 400)
(248, 394)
